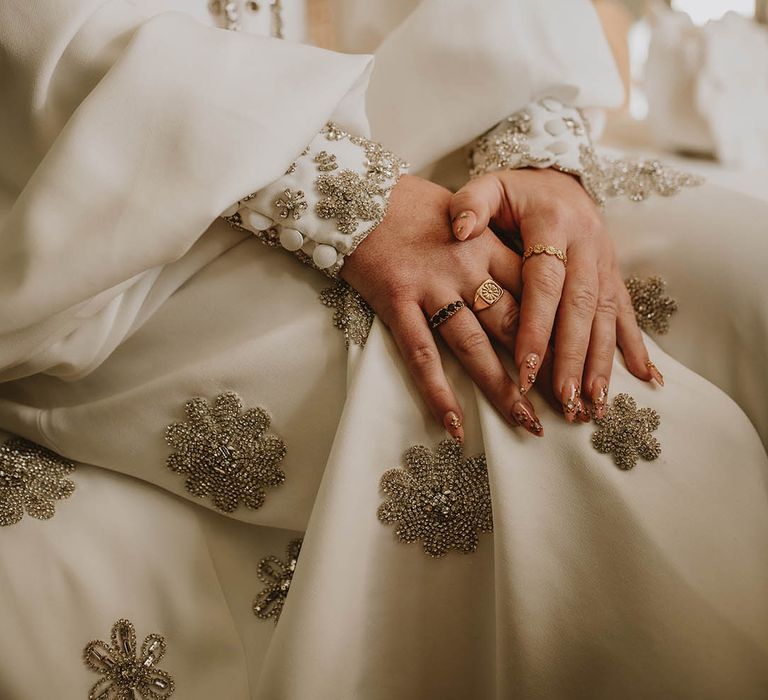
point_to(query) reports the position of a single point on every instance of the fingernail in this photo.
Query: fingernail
(571, 398)
(582, 412)
(464, 224)
(599, 396)
(452, 424)
(654, 370)
(528, 369)
(525, 416)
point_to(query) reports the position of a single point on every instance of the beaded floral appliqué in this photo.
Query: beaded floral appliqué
(626, 432)
(124, 674)
(604, 178)
(291, 204)
(277, 575)
(653, 308)
(226, 454)
(351, 314)
(349, 199)
(31, 478)
(438, 498)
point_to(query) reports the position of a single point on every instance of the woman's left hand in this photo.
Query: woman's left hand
(585, 304)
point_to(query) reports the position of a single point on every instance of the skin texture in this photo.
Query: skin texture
(585, 307)
(410, 267)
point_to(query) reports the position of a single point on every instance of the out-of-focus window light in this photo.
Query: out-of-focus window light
(701, 11)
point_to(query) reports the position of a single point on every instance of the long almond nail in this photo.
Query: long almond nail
(464, 224)
(525, 416)
(654, 370)
(599, 396)
(571, 399)
(582, 412)
(452, 424)
(528, 369)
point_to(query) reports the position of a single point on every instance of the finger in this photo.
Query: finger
(543, 277)
(418, 348)
(473, 206)
(501, 321)
(574, 327)
(631, 342)
(505, 266)
(602, 344)
(469, 342)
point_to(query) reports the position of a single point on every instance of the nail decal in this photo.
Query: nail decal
(528, 372)
(525, 416)
(654, 370)
(600, 396)
(463, 224)
(453, 425)
(571, 400)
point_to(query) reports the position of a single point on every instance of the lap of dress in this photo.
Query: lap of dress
(595, 583)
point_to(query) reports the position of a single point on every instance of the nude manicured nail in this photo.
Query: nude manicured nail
(464, 224)
(599, 396)
(528, 369)
(582, 412)
(526, 417)
(571, 400)
(654, 370)
(452, 424)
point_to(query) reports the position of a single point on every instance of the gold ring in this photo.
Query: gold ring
(538, 249)
(487, 294)
(445, 312)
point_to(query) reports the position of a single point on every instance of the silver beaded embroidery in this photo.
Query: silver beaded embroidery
(508, 148)
(438, 498)
(653, 307)
(326, 161)
(31, 478)
(124, 675)
(625, 432)
(277, 575)
(291, 204)
(605, 178)
(349, 199)
(351, 314)
(226, 454)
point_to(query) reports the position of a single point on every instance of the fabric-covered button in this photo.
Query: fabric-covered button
(256, 221)
(324, 256)
(558, 147)
(291, 239)
(551, 104)
(555, 127)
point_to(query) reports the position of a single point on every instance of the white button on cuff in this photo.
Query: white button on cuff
(324, 256)
(551, 104)
(256, 221)
(229, 211)
(554, 127)
(291, 239)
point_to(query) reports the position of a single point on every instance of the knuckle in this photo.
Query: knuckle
(582, 298)
(607, 305)
(548, 281)
(510, 320)
(471, 343)
(421, 357)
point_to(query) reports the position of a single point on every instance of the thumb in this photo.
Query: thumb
(473, 206)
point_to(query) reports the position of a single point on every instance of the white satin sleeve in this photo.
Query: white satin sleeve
(127, 128)
(447, 72)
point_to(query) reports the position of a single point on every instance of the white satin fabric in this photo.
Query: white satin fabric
(120, 301)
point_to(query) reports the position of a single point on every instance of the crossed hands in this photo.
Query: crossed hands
(561, 323)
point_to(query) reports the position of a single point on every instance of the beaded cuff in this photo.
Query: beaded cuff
(327, 202)
(550, 134)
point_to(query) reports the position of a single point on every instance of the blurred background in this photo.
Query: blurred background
(696, 81)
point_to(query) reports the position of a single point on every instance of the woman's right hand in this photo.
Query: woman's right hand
(410, 267)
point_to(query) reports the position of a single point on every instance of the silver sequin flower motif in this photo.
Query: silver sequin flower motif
(291, 204)
(31, 478)
(277, 576)
(351, 314)
(653, 308)
(438, 498)
(124, 674)
(349, 199)
(626, 432)
(226, 454)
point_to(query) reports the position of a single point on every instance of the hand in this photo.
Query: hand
(586, 305)
(410, 267)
